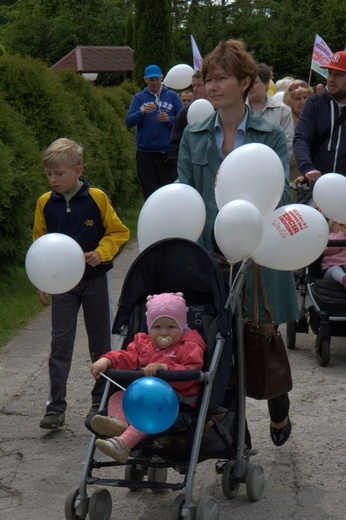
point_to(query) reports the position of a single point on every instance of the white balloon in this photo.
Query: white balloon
(55, 263)
(199, 110)
(252, 172)
(238, 229)
(278, 96)
(329, 194)
(294, 236)
(179, 77)
(175, 210)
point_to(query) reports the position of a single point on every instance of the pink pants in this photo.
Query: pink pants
(131, 435)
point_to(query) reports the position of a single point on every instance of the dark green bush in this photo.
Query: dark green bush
(33, 91)
(21, 182)
(37, 106)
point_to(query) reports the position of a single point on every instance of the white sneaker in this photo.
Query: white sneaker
(115, 448)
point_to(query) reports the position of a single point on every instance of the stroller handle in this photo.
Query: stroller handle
(126, 377)
(336, 243)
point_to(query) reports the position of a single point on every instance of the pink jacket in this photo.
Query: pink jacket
(334, 255)
(187, 354)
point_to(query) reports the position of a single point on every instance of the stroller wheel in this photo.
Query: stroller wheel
(157, 475)
(291, 329)
(207, 509)
(323, 351)
(177, 507)
(134, 472)
(254, 482)
(100, 505)
(230, 486)
(70, 506)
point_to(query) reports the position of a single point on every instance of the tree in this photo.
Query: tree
(279, 32)
(153, 41)
(330, 24)
(49, 29)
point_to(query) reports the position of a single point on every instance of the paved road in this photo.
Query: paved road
(305, 479)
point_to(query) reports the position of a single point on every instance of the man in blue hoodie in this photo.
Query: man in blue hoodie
(153, 111)
(319, 140)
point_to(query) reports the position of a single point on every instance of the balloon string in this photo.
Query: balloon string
(111, 380)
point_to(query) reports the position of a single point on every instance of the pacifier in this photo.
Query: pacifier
(164, 341)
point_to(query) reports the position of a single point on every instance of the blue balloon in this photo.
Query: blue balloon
(150, 405)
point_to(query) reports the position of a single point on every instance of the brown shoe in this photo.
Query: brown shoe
(108, 426)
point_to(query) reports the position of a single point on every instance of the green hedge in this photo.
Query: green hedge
(37, 106)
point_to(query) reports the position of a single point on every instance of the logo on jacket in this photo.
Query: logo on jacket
(89, 222)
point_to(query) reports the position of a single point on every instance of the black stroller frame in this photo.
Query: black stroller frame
(326, 314)
(173, 265)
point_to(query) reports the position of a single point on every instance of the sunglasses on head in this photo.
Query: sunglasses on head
(295, 86)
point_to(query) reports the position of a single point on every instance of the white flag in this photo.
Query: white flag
(321, 55)
(197, 58)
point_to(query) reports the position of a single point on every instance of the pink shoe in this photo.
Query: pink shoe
(115, 448)
(108, 426)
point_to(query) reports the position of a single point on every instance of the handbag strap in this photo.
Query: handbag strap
(258, 277)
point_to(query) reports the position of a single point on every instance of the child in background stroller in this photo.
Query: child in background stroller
(325, 282)
(216, 428)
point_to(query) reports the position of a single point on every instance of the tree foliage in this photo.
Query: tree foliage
(153, 41)
(279, 32)
(49, 29)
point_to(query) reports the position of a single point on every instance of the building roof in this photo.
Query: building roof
(97, 59)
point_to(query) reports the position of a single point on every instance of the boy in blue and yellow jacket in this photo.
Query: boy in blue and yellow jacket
(84, 213)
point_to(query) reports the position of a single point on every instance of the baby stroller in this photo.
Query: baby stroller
(217, 429)
(327, 312)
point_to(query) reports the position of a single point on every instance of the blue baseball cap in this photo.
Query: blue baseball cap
(152, 71)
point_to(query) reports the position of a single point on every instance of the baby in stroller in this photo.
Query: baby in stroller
(334, 258)
(169, 345)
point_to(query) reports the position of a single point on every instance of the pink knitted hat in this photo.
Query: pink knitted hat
(166, 305)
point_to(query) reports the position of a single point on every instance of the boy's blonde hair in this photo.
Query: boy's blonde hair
(63, 151)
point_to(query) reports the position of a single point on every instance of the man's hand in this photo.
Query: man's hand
(163, 117)
(148, 107)
(313, 176)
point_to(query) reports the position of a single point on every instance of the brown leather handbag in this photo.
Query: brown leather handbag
(267, 369)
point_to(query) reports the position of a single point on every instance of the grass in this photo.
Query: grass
(18, 299)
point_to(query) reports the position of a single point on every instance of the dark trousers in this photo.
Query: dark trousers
(155, 170)
(279, 408)
(93, 296)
